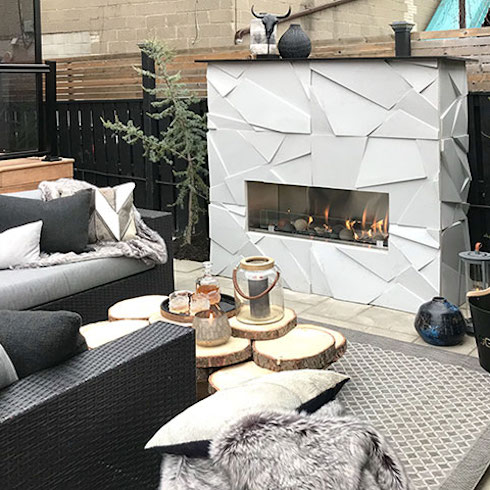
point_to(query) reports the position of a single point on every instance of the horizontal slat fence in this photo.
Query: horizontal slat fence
(105, 159)
(113, 77)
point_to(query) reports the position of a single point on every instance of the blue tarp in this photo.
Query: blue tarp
(447, 14)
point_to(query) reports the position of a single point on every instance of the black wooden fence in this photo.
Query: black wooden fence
(479, 156)
(104, 159)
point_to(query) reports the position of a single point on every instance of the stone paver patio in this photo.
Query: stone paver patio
(372, 319)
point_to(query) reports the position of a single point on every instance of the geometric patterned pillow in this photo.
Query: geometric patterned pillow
(113, 219)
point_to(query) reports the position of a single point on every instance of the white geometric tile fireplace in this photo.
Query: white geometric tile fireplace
(298, 148)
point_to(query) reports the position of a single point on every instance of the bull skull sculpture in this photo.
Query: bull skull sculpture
(270, 21)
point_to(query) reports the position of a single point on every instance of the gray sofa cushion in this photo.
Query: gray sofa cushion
(27, 288)
(8, 375)
(36, 340)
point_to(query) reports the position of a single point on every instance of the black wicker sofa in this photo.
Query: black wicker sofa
(83, 425)
(93, 304)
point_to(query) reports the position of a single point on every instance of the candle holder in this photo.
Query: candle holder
(212, 328)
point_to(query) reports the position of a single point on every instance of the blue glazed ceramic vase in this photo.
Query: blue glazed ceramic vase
(439, 322)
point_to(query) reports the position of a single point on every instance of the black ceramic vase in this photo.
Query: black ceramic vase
(294, 43)
(439, 322)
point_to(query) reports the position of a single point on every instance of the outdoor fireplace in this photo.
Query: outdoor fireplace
(319, 213)
(351, 173)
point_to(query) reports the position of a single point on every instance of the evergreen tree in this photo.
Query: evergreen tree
(183, 139)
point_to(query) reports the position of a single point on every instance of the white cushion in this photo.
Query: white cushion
(285, 391)
(20, 245)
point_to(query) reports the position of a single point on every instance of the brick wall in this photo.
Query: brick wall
(73, 28)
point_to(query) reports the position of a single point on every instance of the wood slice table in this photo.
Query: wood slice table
(269, 331)
(140, 308)
(305, 347)
(100, 333)
(232, 376)
(233, 352)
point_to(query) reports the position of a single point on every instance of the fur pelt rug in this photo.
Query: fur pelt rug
(291, 451)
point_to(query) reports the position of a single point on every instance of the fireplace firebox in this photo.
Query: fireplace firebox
(348, 216)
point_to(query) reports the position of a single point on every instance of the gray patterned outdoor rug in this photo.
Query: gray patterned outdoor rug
(434, 407)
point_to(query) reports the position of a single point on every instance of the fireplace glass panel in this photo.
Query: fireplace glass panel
(355, 217)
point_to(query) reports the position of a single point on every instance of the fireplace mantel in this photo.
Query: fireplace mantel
(385, 125)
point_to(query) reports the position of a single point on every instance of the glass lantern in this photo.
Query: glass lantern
(259, 295)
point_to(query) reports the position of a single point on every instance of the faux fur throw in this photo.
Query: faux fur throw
(148, 245)
(291, 451)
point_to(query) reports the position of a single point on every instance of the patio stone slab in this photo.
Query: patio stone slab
(386, 319)
(465, 348)
(332, 308)
(186, 266)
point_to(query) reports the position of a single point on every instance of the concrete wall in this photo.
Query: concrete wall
(75, 28)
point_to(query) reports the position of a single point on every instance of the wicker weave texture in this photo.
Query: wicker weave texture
(84, 424)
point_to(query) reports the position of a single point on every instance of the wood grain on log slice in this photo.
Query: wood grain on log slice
(269, 331)
(100, 333)
(202, 374)
(140, 308)
(238, 374)
(157, 317)
(233, 352)
(305, 347)
(340, 341)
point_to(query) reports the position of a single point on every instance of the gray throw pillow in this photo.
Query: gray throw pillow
(8, 374)
(190, 432)
(36, 340)
(65, 220)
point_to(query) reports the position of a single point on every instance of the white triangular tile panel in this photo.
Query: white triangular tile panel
(220, 107)
(389, 160)
(455, 239)
(340, 270)
(448, 188)
(293, 147)
(267, 110)
(417, 235)
(294, 274)
(379, 83)
(240, 211)
(329, 154)
(221, 259)
(430, 153)
(460, 127)
(418, 106)
(319, 120)
(221, 81)
(428, 63)
(447, 92)
(379, 262)
(448, 120)
(463, 142)
(349, 113)
(221, 122)
(459, 78)
(431, 93)
(234, 69)
(456, 163)
(217, 169)
(318, 279)
(225, 230)
(289, 174)
(400, 124)
(398, 297)
(414, 281)
(417, 254)
(451, 212)
(255, 237)
(303, 72)
(236, 153)
(432, 274)
(266, 143)
(465, 191)
(283, 79)
(423, 209)
(221, 194)
(237, 182)
(418, 76)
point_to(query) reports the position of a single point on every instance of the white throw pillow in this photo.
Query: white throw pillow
(190, 432)
(20, 245)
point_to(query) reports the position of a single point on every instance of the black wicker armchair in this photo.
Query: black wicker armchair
(84, 424)
(93, 304)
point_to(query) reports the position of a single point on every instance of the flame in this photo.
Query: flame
(385, 227)
(349, 224)
(310, 220)
(327, 212)
(364, 216)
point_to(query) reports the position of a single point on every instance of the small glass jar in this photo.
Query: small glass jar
(212, 327)
(179, 302)
(259, 294)
(199, 302)
(208, 284)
